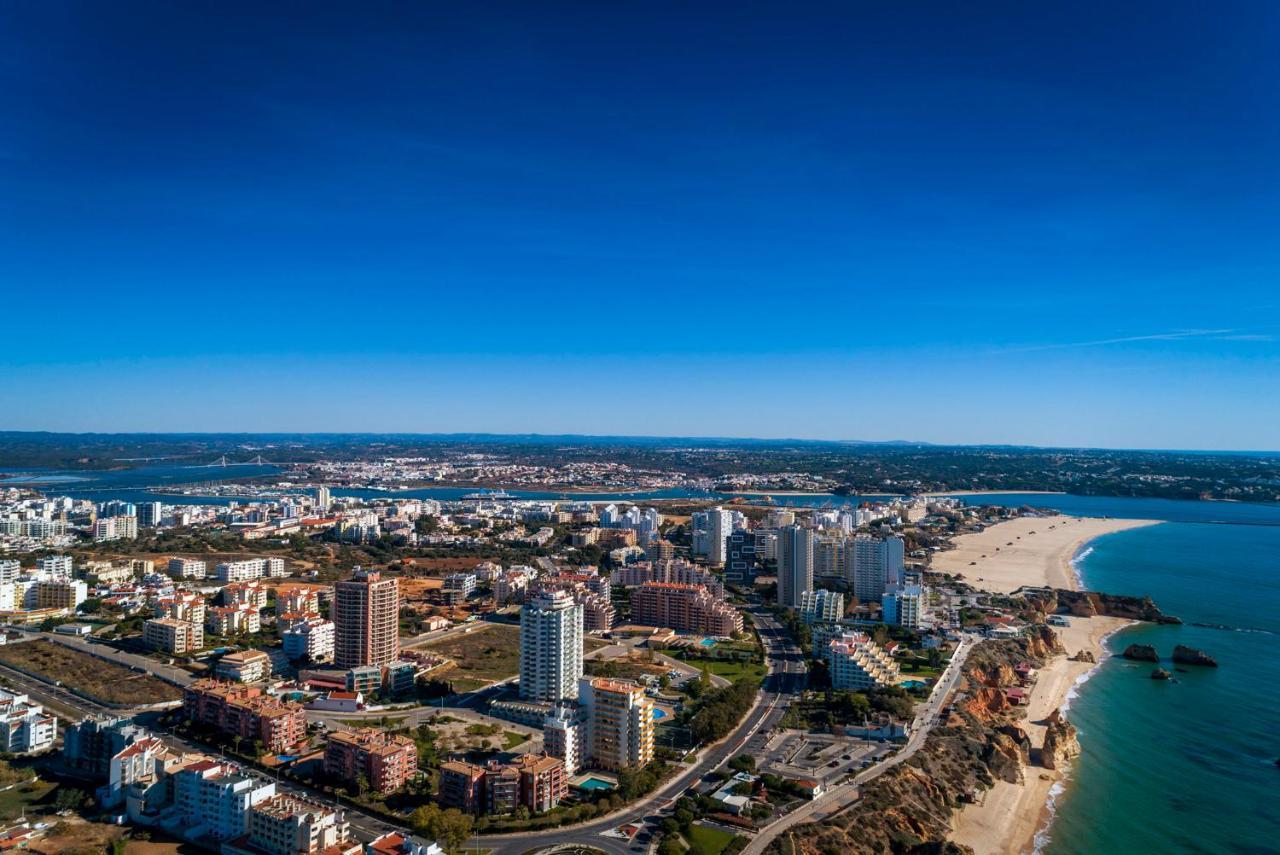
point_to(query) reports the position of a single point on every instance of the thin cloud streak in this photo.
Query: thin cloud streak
(1176, 335)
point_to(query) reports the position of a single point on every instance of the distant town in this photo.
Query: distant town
(309, 663)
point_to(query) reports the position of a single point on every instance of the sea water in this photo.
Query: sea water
(1185, 765)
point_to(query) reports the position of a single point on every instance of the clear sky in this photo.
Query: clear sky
(1045, 223)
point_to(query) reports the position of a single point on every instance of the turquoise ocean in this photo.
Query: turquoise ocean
(1186, 766)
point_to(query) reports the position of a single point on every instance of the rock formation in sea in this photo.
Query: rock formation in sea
(1160, 674)
(1141, 653)
(1060, 743)
(1184, 655)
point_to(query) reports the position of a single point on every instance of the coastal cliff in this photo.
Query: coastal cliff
(908, 809)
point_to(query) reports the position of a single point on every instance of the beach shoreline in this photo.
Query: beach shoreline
(1015, 818)
(1027, 551)
(1011, 818)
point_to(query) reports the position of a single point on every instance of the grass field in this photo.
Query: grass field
(488, 654)
(99, 679)
(16, 801)
(706, 840)
(727, 668)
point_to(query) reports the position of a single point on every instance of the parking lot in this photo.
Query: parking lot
(819, 756)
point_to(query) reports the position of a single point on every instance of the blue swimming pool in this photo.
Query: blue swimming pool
(595, 784)
(658, 713)
(913, 684)
(708, 642)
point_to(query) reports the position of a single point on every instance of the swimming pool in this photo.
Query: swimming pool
(913, 684)
(659, 712)
(595, 784)
(708, 642)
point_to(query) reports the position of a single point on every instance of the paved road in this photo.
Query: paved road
(786, 678)
(840, 797)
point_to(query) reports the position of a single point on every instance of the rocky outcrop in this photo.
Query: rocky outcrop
(1160, 674)
(1090, 603)
(1060, 743)
(1141, 653)
(1084, 656)
(1184, 655)
(986, 704)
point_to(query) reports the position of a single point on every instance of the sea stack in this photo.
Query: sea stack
(1184, 655)
(1141, 653)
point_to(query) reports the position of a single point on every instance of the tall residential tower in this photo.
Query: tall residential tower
(366, 617)
(550, 647)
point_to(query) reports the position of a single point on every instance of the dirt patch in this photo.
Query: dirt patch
(101, 680)
(489, 653)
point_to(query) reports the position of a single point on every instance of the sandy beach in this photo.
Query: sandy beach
(1008, 817)
(1034, 551)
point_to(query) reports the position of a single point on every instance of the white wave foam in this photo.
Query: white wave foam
(1042, 838)
(1077, 562)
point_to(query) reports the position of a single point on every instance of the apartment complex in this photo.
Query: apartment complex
(536, 781)
(25, 727)
(619, 723)
(172, 635)
(686, 608)
(243, 666)
(366, 617)
(562, 734)
(856, 662)
(213, 798)
(311, 639)
(903, 605)
(387, 761)
(186, 568)
(244, 711)
(250, 568)
(821, 606)
(288, 824)
(874, 564)
(550, 647)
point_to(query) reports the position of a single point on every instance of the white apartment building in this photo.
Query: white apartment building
(874, 564)
(243, 666)
(821, 606)
(562, 738)
(550, 647)
(719, 527)
(25, 727)
(856, 662)
(288, 824)
(312, 639)
(903, 605)
(10, 570)
(249, 569)
(214, 798)
(172, 635)
(186, 568)
(795, 564)
(52, 566)
(115, 528)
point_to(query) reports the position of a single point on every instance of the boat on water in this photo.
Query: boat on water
(489, 495)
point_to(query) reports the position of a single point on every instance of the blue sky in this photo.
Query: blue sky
(1044, 223)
